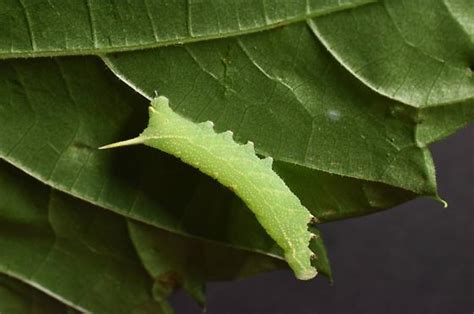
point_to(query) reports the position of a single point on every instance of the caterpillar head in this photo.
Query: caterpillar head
(160, 103)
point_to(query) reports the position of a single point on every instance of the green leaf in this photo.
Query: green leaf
(18, 298)
(70, 250)
(36, 28)
(420, 54)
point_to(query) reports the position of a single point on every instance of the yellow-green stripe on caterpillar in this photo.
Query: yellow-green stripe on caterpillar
(236, 166)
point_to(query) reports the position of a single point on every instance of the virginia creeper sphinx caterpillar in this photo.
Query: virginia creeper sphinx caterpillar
(236, 166)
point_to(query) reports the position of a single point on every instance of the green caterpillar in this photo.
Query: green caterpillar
(237, 167)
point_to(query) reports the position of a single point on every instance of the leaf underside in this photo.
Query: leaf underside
(345, 95)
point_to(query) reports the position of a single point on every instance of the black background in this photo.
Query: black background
(416, 258)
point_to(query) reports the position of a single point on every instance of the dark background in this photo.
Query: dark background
(415, 258)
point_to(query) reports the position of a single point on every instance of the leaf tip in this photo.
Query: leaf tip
(445, 204)
(439, 199)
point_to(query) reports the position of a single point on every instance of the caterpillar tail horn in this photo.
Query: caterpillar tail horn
(133, 141)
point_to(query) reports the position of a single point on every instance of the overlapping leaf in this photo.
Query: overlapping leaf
(421, 55)
(37, 28)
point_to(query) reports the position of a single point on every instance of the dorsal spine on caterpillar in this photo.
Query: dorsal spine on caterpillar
(236, 166)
